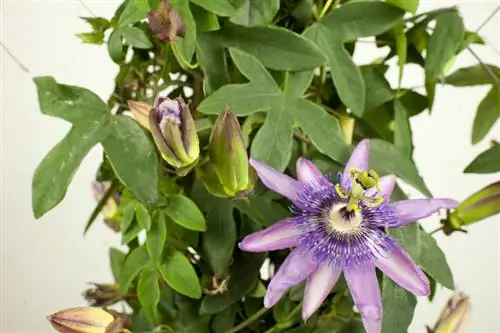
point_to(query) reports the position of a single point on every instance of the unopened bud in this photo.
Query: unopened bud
(174, 132)
(454, 315)
(110, 209)
(102, 294)
(141, 111)
(166, 23)
(82, 320)
(229, 158)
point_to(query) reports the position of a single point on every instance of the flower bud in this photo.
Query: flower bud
(166, 23)
(110, 210)
(81, 320)
(229, 157)
(454, 315)
(480, 205)
(174, 132)
(141, 111)
(102, 294)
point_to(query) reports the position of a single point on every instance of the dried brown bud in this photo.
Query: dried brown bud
(166, 23)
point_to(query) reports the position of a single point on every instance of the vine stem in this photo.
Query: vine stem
(484, 66)
(488, 19)
(249, 320)
(180, 57)
(325, 8)
(436, 230)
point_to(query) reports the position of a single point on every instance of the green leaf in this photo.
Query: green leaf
(387, 159)
(244, 273)
(408, 238)
(401, 48)
(71, 103)
(133, 158)
(142, 215)
(148, 293)
(256, 12)
(487, 114)
(134, 263)
(115, 47)
(399, 306)
(220, 237)
(184, 212)
(253, 69)
(414, 102)
(408, 5)
(186, 45)
(117, 260)
(282, 310)
(402, 129)
(219, 7)
(473, 76)
(224, 320)
(131, 233)
(92, 37)
(487, 162)
(296, 83)
(443, 43)
(156, 237)
(134, 11)
(433, 261)
(212, 59)
(55, 172)
(136, 37)
(179, 274)
(97, 23)
(378, 90)
(276, 48)
(128, 215)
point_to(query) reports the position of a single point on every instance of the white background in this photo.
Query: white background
(46, 264)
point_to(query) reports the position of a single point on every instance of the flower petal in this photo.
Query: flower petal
(387, 184)
(401, 269)
(359, 159)
(307, 172)
(411, 210)
(296, 268)
(276, 181)
(318, 286)
(281, 235)
(363, 284)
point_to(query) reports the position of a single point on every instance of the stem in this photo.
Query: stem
(100, 205)
(249, 320)
(325, 8)
(488, 19)
(436, 230)
(13, 57)
(485, 66)
(180, 57)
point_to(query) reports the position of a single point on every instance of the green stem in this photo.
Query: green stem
(287, 323)
(325, 8)
(249, 320)
(488, 19)
(180, 57)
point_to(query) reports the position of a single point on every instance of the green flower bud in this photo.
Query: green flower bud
(454, 315)
(174, 132)
(229, 174)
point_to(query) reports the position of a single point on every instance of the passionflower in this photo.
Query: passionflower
(340, 228)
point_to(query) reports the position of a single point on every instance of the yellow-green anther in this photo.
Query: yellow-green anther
(361, 181)
(454, 315)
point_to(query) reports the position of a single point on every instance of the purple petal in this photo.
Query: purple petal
(411, 210)
(281, 235)
(363, 284)
(307, 172)
(276, 181)
(295, 269)
(359, 159)
(401, 269)
(387, 184)
(318, 286)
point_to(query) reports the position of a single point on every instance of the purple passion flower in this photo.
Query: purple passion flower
(340, 228)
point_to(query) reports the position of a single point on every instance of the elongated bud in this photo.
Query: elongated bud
(480, 205)
(110, 211)
(102, 294)
(166, 23)
(454, 315)
(82, 320)
(229, 157)
(174, 132)
(141, 111)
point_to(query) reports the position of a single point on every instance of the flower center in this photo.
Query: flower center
(343, 221)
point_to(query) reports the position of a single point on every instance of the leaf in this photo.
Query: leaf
(220, 237)
(133, 158)
(187, 44)
(243, 275)
(92, 37)
(115, 47)
(128, 215)
(473, 76)
(443, 43)
(401, 48)
(212, 59)
(142, 215)
(148, 293)
(487, 114)
(408, 5)
(433, 261)
(402, 129)
(296, 83)
(224, 320)
(487, 162)
(136, 37)
(156, 237)
(55, 172)
(134, 263)
(134, 11)
(97, 23)
(413, 102)
(117, 260)
(180, 275)
(378, 90)
(275, 48)
(399, 306)
(71, 103)
(282, 310)
(408, 238)
(256, 12)
(219, 7)
(131, 233)
(253, 69)
(184, 212)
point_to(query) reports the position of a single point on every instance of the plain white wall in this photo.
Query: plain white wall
(46, 264)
